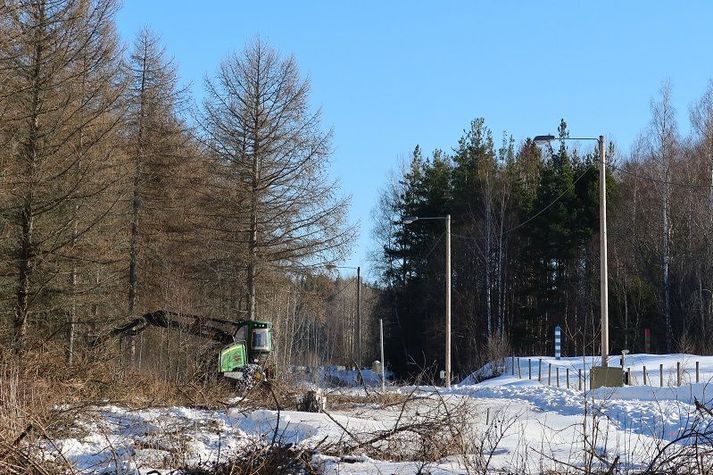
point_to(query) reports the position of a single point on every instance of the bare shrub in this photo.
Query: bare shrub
(691, 451)
(497, 350)
(428, 428)
(260, 460)
(41, 397)
(685, 344)
(341, 401)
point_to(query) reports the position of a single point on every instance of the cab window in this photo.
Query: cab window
(261, 339)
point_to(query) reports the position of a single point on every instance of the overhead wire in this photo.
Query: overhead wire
(545, 208)
(571, 187)
(435, 245)
(608, 165)
(658, 180)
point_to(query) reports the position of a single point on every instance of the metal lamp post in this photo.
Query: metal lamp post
(604, 274)
(447, 219)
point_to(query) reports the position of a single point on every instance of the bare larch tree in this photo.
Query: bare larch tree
(259, 129)
(61, 113)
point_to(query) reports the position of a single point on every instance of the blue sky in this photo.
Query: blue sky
(390, 75)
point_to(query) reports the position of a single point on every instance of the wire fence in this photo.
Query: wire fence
(562, 375)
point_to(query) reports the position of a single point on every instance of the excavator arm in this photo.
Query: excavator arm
(203, 327)
(241, 356)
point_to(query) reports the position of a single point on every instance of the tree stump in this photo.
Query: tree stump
(312, 401)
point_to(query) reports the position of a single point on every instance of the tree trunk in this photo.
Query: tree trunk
(136, 202)
(26, 217)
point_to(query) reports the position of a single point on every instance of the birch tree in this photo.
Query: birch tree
(701, 115)
(662, 149)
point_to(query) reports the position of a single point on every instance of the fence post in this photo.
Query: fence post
(661, 375)
(512, 366)
(678, 373)
(539, 371)
(519, 370)
(567, 370)
(697, 371)
(549, 374)
(628, 376)
(644, 375)
(579, 379)
(529, 368)
(557, 370)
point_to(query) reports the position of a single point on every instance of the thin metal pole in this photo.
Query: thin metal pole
(448, 300)
(539, 371)
(359, 352)
(383, 363)
(529, 368)
(519, 369)
(604, 288)
(567, 371)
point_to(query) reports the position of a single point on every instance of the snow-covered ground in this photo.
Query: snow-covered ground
(508, 422)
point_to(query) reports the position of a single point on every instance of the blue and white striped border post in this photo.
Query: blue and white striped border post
(558, 342)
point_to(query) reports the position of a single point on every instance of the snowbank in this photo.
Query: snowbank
(523, 424)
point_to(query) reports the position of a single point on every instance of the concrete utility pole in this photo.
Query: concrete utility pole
(448, 300)
(447, 219)
(359, 348)
(604, 377)
(383, 362)
(603, 269)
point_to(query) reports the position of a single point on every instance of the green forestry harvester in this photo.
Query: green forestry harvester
(246, 344)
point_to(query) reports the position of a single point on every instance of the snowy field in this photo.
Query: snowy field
(506, 423)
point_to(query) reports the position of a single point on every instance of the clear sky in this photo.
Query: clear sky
(392, 74)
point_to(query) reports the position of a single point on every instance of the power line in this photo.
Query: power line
(433, 248)
(528, 220)
(658, 180)
(569, 188)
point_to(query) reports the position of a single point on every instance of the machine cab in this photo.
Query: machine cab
(253, 342)
(256, 335)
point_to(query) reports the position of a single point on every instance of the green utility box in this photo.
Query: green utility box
(606, 376)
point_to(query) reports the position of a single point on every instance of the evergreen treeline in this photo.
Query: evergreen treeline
(117, 197)
(525, 245)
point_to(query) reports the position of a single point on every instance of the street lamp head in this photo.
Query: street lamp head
(543, 138)
(331, 266)
(409, 219)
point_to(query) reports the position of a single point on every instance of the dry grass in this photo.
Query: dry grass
(41, 396)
